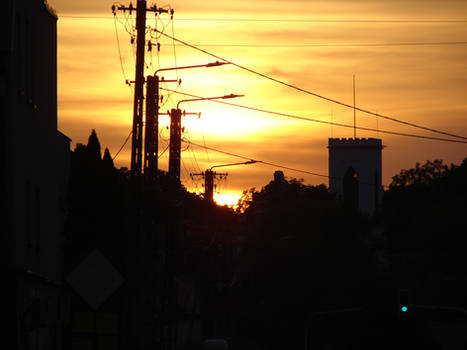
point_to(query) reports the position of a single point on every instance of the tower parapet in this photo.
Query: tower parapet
(350, 142)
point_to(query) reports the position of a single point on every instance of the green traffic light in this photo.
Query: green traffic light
(404, 308)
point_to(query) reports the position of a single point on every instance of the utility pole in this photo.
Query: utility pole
(210, 176)
(151, 137)
(140, 224)
(151, 127)
(176, 128)
(175, 142)
(152, 122)
(354, 112)
(209, 179)
(137, 136)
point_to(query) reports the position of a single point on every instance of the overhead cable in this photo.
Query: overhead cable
(273, 164)
(324, 121)
(313, 93)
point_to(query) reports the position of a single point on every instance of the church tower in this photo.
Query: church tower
(355, 167)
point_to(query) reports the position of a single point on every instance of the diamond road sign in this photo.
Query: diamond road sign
(95, 279)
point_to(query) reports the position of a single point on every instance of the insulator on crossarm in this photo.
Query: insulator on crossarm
(149, 46)
(158, 47)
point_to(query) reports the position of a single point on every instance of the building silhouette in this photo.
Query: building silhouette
(35, 162)
(355, 167)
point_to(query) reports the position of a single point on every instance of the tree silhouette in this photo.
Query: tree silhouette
(94, 147)
(424, 213)
(96, 203)
(107, 162)
(426, 174)
(305, 251)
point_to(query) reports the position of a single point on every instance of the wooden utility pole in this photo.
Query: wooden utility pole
(175, 142)
(137, 136)
(209, 177)
(136, 163)
(151, 127)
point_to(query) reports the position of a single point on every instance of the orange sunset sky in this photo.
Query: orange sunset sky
(409, 58)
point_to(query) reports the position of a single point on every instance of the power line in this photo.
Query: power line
(273, 164)
(296, 20)
(315, 94)
(123, 145)
(434, 43)
(258, 161)
(219, 151)
(119, 50)
(324, 121)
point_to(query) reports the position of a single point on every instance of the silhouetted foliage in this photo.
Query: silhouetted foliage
(107, 161)
(424, 215)
(426, 174)
(289, 249)
(94, 147)
(304, 251)
(96, 204)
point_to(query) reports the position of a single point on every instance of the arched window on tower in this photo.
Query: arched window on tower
(351, 188)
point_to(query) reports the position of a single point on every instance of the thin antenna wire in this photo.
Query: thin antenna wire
(377, 128)
(332, 124)
(354, 111)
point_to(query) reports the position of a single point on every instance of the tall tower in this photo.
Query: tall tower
(355, 167)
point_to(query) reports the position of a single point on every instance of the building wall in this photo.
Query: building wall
(36, 158)
(364, 156)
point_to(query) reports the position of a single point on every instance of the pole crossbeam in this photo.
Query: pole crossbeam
(131, 8)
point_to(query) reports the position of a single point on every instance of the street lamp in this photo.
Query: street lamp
(176, 131)
(209, 98)
(152, 115)
(208, 65)
(230, 164)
